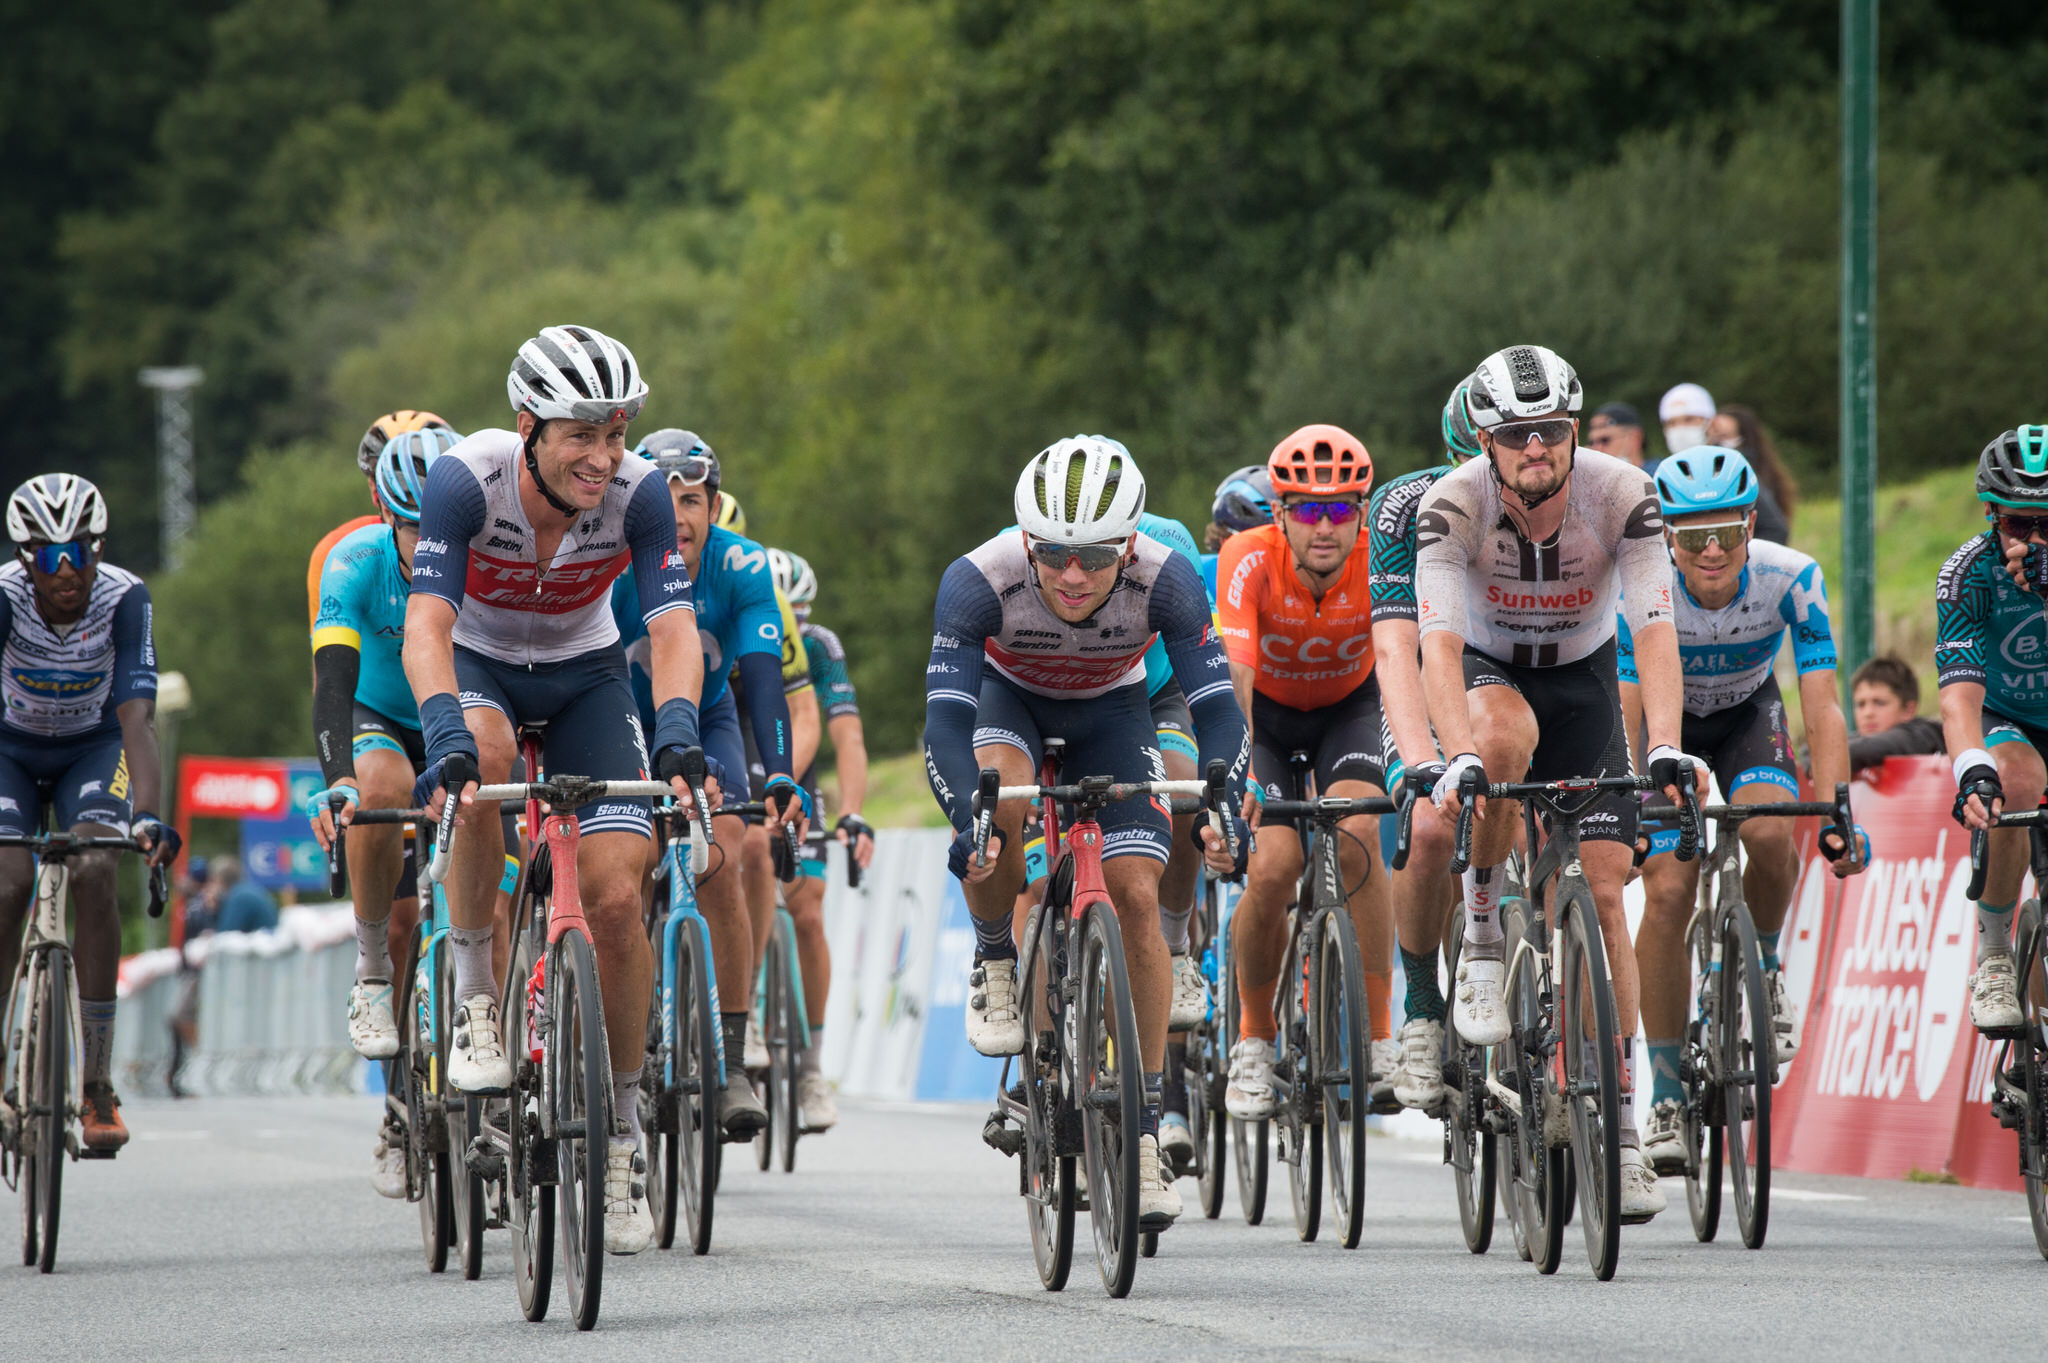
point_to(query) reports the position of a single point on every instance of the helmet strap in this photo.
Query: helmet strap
(533, 471)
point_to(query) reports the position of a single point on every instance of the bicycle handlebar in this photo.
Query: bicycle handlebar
(1980, 838)
(1097, 791)
(1837, 811)
(1547, 793)
(57, 846)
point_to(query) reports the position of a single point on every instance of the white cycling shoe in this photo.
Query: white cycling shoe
(816, 1104)
(754, 1055)
(1385, 1061)
(387, 1163)
(1664, 1138)
(1478, 1005)
(628, 1225)
(1190, 995)
(1995, 993)
(1419, 1083)
(1158, 1202)
(995, 1025)
(1784, 1016)
(1249, 1095)
(477, 1062)
(372, 1029)
(1641, 1198)
(1176, 1141)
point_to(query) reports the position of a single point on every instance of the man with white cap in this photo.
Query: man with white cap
(1685, 410)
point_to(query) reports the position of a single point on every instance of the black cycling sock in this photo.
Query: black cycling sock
(1148, 1111)
(992, 940)
(734, 1028)
(1173, 1088)
(1425, 997)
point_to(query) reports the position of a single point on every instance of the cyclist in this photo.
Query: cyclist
(521, 534)
(1422, 890)
(1994, 700)
(1523, 553)
(738, 626)
(1297, 615)
(1043, 631)
(381, 431)
(1243, 501)
(1738, 600)
(78, 732)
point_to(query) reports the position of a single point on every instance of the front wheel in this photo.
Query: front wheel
(529, 1162)
(1749, 1057)
(1699, 1063)
(785, 1038)
(1248, 1140)
(1294, 1068)
(580, 1096)
(2030, 1058)
(1466, 1137)
(426, 1099)
(1343, 1074)
(1535, 1171)
(45, 1117)
(1110, 1086)
(1593, 1094)
(696, 1142)
(1048, 1174)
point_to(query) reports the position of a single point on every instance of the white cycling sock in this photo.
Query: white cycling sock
(472, 948)
(814, 1053)
(1626, 1113)
(373, 949)
(1174, 923)
(1482, 907)
(626, 1100)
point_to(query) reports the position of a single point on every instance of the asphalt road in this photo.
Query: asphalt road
(247, 1228)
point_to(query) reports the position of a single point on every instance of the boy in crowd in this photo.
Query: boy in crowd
(1886, 697)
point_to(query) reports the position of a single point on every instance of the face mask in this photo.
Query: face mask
(1682, 438)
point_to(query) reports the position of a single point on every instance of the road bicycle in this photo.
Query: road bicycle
(1205, 1060)
(38, 1118)
(782, 1014)
(1081, 1079)
(553, 1129)
(1729, 1062)
(1322, 1064)
(1561, 1101)
(2019, 1098)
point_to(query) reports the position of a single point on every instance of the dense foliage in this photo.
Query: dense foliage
(879, 251)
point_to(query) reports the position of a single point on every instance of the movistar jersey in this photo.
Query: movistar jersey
(1392, 546)
(1726, 654)
(363, 592)
(67, 681)
(1988, 631)
(737, 612)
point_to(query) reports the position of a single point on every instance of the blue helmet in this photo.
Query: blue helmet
(1461, 442)
(402, 468)
(1244, 500)
(1705, 478)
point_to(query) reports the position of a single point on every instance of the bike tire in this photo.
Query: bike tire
(1205, 1071)
(2031, 1062)
(1301, 1130)
(697, 1137)
(659, 1101)
(1537, 1169)
(581, 1096)
(1701, 1118)
(1587, 997)
(1047, 1177)
(1110, 1082)
(465, 1120)
(424, 1092)
(53, 1102)
(1470, 1145)
(529, 1175)
(1250, 1142)
(1749, 1060)
(785, 1037)
(1341, 1036)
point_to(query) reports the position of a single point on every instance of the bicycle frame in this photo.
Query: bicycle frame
(682, 907)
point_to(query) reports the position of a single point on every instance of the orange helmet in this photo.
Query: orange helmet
(390, 424)
(1320, 461)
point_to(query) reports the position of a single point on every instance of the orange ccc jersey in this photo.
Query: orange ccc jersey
(1307, 654)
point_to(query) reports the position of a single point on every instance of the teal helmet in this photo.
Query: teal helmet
(2013, 470)
(402, 467)
(1706, 478)
(1461, 442)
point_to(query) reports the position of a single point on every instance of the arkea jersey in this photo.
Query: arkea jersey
(1391, 522)
(827, 659)
(477, 552)
(317, 564)
(1539, 605)
(363, 592)
(62, 683)
(1726, 654)
(1988, 631)
(1305, 653)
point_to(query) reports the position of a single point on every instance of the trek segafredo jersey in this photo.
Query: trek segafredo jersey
(62, 683)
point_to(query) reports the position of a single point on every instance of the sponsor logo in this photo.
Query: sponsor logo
(427, 546)
(493, 476)
(502, 524)
(1314, 649)
(1246, 566)
(500, 542)
(1033, 634)
(2025, 645)
(598, 546)
(54, 682)
(1577, 599)
(739, 559)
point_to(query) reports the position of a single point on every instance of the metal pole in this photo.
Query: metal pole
(1859, 327)
(174, 452)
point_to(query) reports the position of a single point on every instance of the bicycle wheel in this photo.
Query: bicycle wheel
(1592, 1093)
(529, 1163)
(1466, 1137)
(464, 1116)
(47, 1114)
(1206, 1070)
(2030, 1060)
(785, 1038)
(1747, 1061)
(1338, 1040)
(1047, 1176)
(426, 1125)
(580, 1096)
(1536, 1170)
(658, 1100)
(1110, 1084)
(1294, 1067)
(696, 1140)
(1698, 1063)
(1248, 1140)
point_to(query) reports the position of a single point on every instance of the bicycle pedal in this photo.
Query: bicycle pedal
(2009, 1113)
(89, 1153)
(998, 1135)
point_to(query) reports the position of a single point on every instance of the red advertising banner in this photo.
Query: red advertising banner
(1890, 1075)
(225, 788)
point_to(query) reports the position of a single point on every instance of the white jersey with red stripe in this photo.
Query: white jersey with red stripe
(1040, 652)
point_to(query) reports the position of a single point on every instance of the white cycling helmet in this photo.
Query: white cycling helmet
(1084, 490)
(54, 508)
(576, 374)
(1520, 383)
(793, 577)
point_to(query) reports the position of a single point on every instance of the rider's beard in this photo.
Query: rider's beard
(1541, 480)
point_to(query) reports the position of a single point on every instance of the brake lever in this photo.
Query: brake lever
(159, 891)
(985, 812)
(1219, 778)
(1404, 831)
(1688, 818)
(336, 880)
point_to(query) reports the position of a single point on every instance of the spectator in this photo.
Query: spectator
(201, 907)
(1684, 412)
(1737, 428)
(1886, 698)
(243, 907)
(1617, 429)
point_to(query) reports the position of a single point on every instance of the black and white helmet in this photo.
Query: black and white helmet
(1520, 383)
(576, 374)
(55, 508)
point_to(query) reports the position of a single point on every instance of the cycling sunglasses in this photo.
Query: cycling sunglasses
(1694, 539)
(2024, 527)
(48, 558)
(1093, 557)
(1515, 434)
(691, 470)
(1309, 513)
